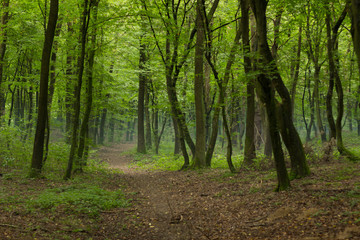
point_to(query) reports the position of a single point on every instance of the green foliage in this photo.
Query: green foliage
(13, 151)
(159, 162)
(90, 200)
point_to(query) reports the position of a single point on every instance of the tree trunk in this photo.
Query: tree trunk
(112, 128)
(148, 138)
(332, 34)
(199, 158)
(249, 151)
(268, 79)
(69, 90)
(177, 144)
(38, 150)
(141, 145)
(76, 118)
(84, 130)
(317, 104)
(3, 44)
(102, 126)
(329, 95)
(295, 75)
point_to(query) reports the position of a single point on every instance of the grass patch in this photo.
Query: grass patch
(90, 200)
(158, 162)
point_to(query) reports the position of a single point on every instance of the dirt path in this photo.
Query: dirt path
(157, 211)
(213, 205)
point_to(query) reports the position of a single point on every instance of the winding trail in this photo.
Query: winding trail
(157, 209)
(213, 204)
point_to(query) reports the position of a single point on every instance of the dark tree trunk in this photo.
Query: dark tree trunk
(268, 79)
(329, 95)
(84, 130)
(177, 144)
(222, 83)
(38, 150)
(332, 33)
(53, 67)
(148, 138)
(296, 68)
(76, 118)
(249, 151)
(3, 44)
(102, 126)
(355, 32)
(199, 158)
(112, 128)
(141, 145)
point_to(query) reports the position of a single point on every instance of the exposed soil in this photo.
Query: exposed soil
(209, 204)
(213, 204)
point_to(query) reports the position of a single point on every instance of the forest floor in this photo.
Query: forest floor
(208, 204)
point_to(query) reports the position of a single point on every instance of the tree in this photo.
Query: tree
(141, 145)
(3, 43)
(249, 151)
(279, 114)
(84, 130)
(42, 117)
(199, 158)
(81, 60)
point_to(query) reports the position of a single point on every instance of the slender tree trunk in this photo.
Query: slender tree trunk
(3, 44)
(38, 150)
(228, 138)
(141, 145)
(199, 158)
(222, 83)
(69, 90)
(102, 126)
(332, 33)
(355, 32)
(148, 138)
(249, 151)
(112, 128)
(177, 144)
(329, 95)
(84, 130)
(268, 79)
(355, 10)
(317, 104)
(295, 76)
(76, 118)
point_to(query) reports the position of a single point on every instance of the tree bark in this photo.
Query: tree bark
(38, 150)
(3, 44)
(76, 118)
(249, 151)
(141, 145)
(199, 158)
(84, 130)
(267, 80)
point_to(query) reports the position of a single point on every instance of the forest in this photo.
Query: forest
(179, 119)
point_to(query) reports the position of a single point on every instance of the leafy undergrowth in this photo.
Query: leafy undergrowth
(56, 209)
(196, 205)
